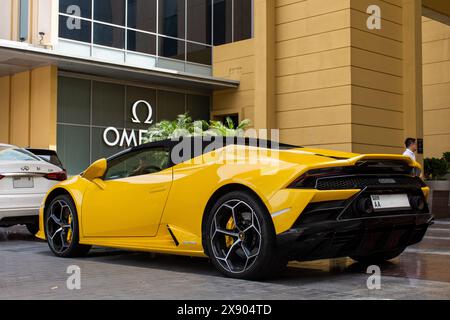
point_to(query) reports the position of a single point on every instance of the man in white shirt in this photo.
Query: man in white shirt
(411, 148)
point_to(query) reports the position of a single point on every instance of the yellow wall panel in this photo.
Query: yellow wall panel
(437, 121)
(280, 3)
(398, 3)
(296, 10)
(226, 100)
(313, 62)
(313, 25)
(4, 109)
(441, 6)
(377, 117)
(235, 61)
(326, 135)
(233, 51)
(436, 72)
(434, 30)
(372, 42)
(20, 109)
(314, 117)
(232, 69)
(363, 134)
(389, 11)
(435, 145)
(390, 30)
(436, 84)
(43, 108)
(368, 148)
(314, 98)
(314, 80)
(376, 98)
(376, 62)
(436, 96)
(436, 51)
(315, 43)
(377, 80)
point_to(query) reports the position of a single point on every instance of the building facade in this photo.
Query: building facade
(87, 77)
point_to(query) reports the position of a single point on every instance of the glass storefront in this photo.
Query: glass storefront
(98, 118)
(173, 29)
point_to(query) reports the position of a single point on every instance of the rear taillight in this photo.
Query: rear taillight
(56, 176)
(1, 177)
(308, 179)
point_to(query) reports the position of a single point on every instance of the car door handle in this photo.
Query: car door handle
(157, 189)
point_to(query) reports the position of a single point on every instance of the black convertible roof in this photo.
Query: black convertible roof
(192, 147)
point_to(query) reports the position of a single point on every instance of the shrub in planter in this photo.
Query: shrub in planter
(184, 126)
(435, 169)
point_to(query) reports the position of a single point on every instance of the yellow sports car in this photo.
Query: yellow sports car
(249, 205)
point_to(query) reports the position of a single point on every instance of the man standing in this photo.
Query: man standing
(411, 148)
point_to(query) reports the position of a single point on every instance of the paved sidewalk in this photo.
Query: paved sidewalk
(29, 271)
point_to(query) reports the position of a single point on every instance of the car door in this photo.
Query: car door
(129, 200)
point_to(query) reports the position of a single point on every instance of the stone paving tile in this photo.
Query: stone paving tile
(29, 271)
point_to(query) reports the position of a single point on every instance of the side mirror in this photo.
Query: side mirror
(96, 170)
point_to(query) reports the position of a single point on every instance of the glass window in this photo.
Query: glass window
(74, 100)
(74, 29)
(141, 42)
(170, 105)
(11, 154)
(172, 18)
(171, 48)
(242, 20)
(142, 15)
(80, 8)
(223, 12)
(199, 21)
(108, 104)
(111, 11)
(138, 163)
(106, 35)
(198, 107)
(199, 53)
(99, 148)
(73, 148)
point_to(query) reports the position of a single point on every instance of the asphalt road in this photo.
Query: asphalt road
(29, 271)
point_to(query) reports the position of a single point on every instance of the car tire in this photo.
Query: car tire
(62, 229)
(246, 249)
(378, 257)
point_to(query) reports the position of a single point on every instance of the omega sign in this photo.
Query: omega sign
(113, 137)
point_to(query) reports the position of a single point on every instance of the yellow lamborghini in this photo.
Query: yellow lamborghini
(249, 205)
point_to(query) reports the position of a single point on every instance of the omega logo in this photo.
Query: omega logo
(135, 118)
(113, 137)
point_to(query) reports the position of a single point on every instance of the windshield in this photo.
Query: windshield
(14, 154)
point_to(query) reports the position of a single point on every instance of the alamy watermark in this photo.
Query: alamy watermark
(374, 280)
(74, 280)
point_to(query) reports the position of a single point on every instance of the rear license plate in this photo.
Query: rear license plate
(23, 182)
(390, 201)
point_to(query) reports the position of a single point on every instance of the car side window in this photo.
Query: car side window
(138, 163)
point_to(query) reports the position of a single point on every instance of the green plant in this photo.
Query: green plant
(228, 128)
(435, 169)
(446, 156)
(184, 126)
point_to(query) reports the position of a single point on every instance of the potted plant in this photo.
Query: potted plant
(184, 126)
(436, 173)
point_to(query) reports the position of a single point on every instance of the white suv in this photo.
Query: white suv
(24, 181)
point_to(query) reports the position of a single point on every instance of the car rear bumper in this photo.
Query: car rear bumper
(22, 205)
(333, 239)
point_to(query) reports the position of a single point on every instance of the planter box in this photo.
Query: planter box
(439, 201)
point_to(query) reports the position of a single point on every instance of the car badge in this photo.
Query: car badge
(25, 168)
